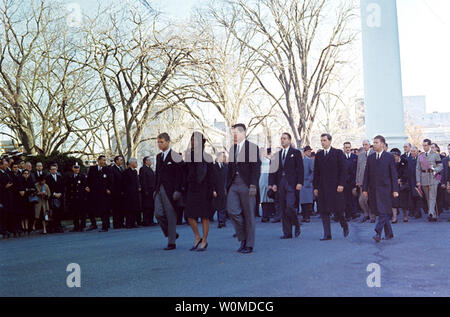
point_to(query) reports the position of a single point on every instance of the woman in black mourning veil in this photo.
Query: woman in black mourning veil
(200, 189)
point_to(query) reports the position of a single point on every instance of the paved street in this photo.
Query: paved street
(132, 263)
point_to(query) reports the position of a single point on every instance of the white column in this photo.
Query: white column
(383, 96)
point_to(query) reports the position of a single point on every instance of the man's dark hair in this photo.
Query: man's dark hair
(345, 143)
(239, 125)
(54, 165)
(381, 139)
(101, 157)
(145, 159)
(427, 141)
(288, 135)
(117, 158)
(327, 135)
(165, 136)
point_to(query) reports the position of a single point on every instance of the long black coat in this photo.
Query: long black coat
(6, 195)
(380, 181)
(168, 174)
(148, 182)
(99, 182)
(329, 173)
(352, 164)
(200, 184)
(131, 193)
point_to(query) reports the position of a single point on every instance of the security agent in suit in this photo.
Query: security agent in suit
(429, 164)
(132, 193)
(38, 172)
(329, 181)
(99, 189)
(117, 199)
(220, 202)
(55, 183)
(416, 201)
(76, 197)
(446, 177)
(351, 160)
(6, 198)
(244, 171)
(148, 182)
(167, 189)
(286, 178)
(380, 185)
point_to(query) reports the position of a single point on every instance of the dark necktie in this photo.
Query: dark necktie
(426, 154)
(284, 156)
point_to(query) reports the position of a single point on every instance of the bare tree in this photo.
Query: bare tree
(136, 58)
(49, 97)
(222, 66)
(303, 43)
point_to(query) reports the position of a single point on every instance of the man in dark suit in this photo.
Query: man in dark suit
(329, 182)
(76, 196)
(117, 201)
(38, 172)
(56, 186)
(380, 185)
(148, 182)
(351, 161)
(286, 178)
(446, 177)
(6, 197)
(168, 189)
(132, 192)
(99, 189)
(244, 170)
(220, 202)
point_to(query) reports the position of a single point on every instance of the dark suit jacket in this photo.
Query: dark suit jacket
(76, 188)
(35, 176)
(55, 187)
(329, 173)
(293, 168)
(352, 164)
(98, 182)
(220, 176)
(131, 193)
(169, 174)
(380, 181)
(148, 182)
(116, 181)
(445, 170)
(248, 164)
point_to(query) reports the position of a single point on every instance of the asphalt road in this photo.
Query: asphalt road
(132, 263)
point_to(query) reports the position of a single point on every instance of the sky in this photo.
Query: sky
(424, 32)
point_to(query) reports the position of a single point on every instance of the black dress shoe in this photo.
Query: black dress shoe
(275, 220)
(91, 228)
(325, 238)
(104, 230)
(170, 247)
(306, 220)
(234, 235)
(377, 238)
(247, 250)
(284, 237)
(242, 247)
(297, 232)
(389, 237)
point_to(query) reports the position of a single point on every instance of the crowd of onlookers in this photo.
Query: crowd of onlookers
(42, 197)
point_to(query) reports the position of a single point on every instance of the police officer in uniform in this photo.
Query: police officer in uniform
(76, 198)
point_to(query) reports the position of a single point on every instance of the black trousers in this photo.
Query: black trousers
(350, 202)
(325, 216)
(148, 215)
(307, 210)
(268, 209)
(78, 212)
(117, 211)
(131, 218)
(3, 220)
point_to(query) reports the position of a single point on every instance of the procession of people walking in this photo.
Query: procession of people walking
(289, 184)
